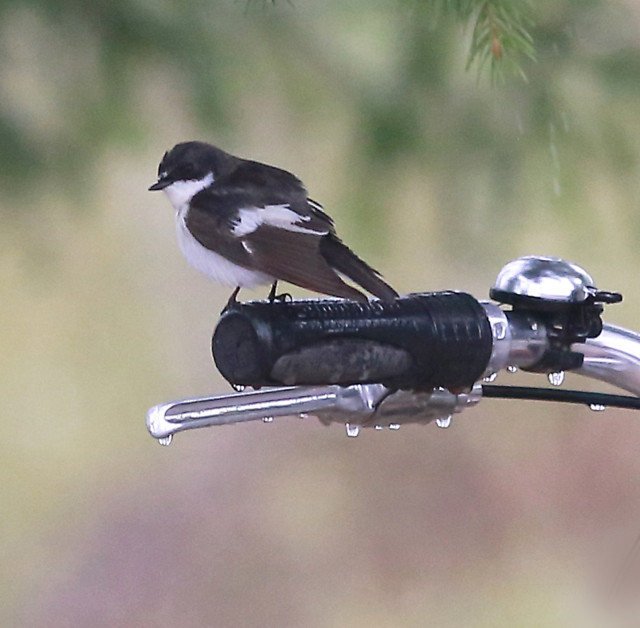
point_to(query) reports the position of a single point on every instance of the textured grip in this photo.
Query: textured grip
(421, 341)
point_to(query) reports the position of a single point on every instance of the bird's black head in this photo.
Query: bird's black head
(190, 161)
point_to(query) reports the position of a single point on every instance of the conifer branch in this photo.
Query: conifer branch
(501, 32)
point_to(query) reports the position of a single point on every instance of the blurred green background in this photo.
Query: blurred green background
(520, 514)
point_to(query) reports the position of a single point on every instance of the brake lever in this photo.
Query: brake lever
(356, 406)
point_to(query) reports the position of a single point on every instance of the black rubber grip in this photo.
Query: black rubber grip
(421, 341)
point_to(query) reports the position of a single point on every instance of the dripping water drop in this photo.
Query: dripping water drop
(444, 422)
(556, 378)
(352, 430)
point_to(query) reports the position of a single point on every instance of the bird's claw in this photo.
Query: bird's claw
(283, 297)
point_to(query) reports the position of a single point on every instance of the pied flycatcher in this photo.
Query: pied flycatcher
(247, 224)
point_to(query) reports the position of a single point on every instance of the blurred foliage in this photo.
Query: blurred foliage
(71, 73)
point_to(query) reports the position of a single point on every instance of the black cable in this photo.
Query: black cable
(561, 395)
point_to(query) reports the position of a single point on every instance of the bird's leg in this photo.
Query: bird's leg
(285, 296)
(232, 299)
(272, 293)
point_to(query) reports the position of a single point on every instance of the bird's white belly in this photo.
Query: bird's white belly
(213, 265)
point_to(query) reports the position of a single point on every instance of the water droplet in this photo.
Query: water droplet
(597, 407)
(556, 379)
(238, 387)
(512, 369)
(267, 419)
(499, 330)
(352, 430)
(394, 426)
(165, 441)
(378, 427)
(490, 378)
(444, 422)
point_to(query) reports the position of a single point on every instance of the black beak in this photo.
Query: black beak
(160, 184)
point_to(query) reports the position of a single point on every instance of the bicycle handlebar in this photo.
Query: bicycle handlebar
(416, 359)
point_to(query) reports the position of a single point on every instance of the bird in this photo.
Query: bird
(246, 224)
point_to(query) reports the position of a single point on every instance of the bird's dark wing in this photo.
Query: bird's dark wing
(270, 239)
(318, 210)
(261, 185)
(211, 219)
(295, 257)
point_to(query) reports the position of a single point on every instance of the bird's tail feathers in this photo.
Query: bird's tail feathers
(345, 261)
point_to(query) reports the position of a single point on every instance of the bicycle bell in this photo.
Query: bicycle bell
(548, 279)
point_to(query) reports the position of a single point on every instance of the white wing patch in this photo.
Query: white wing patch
(249, 219)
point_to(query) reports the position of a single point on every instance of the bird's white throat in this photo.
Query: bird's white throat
(180, 193)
